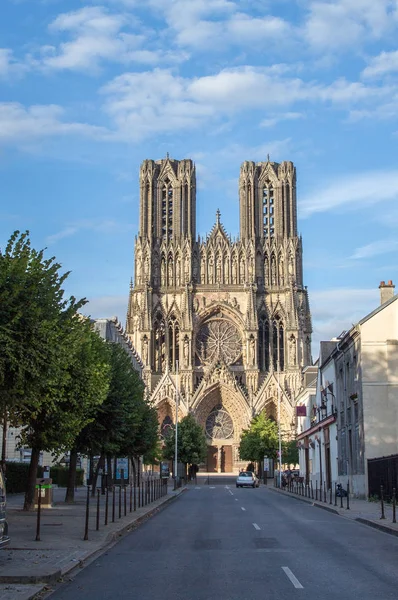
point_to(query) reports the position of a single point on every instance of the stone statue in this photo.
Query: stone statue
(170, 273)
(218, 270)
(252, 350)
(163, 272)
(145, 350)
(273, 271)
(186, 351)
(234, 270)
(292, 351)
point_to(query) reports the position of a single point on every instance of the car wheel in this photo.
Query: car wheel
(254, 485)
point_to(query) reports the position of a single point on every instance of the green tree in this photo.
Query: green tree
(87, 387)
(261, 439)
(37, 344)
(290, 453)
(192, 447)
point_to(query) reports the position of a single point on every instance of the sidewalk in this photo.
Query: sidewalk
(27, 567)
(365, 512)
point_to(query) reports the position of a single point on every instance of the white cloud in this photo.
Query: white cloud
(386, 62)
(375, 249)
(19, 124)
(340, 24)
(103, 226)
(273, 120)
(9, 65)
(106, 307)
(336, 310)
(352, 192)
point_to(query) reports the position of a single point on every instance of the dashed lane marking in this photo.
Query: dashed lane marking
(232, 494)
(292, 578)
(256, 526)
(242, 508)
(236, 499)
(212, 487)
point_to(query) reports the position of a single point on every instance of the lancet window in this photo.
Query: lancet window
(263, 344)
(278, 346)
(159, 350)
(268, 211)
(174, 342)
(167, 209)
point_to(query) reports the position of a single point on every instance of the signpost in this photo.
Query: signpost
(266, 469)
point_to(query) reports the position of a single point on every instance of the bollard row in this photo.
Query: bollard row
(144, 492)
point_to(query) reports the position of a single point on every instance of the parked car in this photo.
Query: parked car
(247, 479)
(4, 539)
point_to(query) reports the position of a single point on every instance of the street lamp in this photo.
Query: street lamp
(176, 432)
(279, 427)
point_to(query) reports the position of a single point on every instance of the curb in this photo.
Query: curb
(378, 526)
(110, 540)
(306, 501)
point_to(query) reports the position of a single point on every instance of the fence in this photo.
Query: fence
(383, 472)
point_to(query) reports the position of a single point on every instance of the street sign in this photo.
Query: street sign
(266, 463)
(164, 470)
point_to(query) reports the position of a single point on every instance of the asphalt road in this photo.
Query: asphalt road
(222, 543)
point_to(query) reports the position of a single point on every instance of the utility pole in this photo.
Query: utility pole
(279, 427)
(176, 432)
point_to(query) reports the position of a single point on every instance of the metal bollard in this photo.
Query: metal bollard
(324, 492)
(125, 499)
(120, 501)
(335, 493)
(98, 510)
(383, 516)
(38, 515)
(316, 490)
(135, 496)
(113, 503)
(131, 497)
(348, 495)
(341, 497)
(394, 503)
(106, 506)
(331, 496)
(312, 491)
(87, 514)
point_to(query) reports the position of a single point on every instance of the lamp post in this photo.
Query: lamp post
(176, 432)
(279, 427)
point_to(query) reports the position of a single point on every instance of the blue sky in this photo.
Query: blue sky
(90, 89)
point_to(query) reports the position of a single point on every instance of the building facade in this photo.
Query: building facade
(223, 324)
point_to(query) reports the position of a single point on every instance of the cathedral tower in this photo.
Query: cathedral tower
(225, 323)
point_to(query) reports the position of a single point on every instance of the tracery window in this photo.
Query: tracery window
(278, 350)
(219, 425)
(174, 342)
(263, 344)
(268, 210)
(166, 427)
(167, 209)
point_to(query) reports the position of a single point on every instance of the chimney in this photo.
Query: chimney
(386, 291)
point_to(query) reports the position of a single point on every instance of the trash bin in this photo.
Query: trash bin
(46, 491)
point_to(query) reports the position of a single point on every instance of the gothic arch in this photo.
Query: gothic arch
(219, 394)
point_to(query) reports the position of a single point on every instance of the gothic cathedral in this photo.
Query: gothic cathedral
(223, 323)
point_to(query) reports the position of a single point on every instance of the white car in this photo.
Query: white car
(247, 479)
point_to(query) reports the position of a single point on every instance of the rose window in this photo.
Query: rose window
(218, 339)
(219, 424)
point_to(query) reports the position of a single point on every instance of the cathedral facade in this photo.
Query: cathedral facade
(224, 325)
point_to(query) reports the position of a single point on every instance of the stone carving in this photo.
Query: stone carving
(292, 351)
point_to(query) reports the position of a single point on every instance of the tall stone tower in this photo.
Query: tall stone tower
(225, 324)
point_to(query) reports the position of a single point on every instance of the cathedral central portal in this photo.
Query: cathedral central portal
(223, 324)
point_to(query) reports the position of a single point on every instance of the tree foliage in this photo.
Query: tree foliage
(261, 439)
(290, 453)
(192, 447)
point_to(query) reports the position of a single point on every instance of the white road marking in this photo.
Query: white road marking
(236, 499)
(242, 508)
(256, 526)
(292, 578)
(231, 492)
(197, 488)
(227, 487)
(212, 487)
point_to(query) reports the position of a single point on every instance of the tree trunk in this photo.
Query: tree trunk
(29, 503)
(100, 465)
(4, 445)
(109, 470)
(70, 490)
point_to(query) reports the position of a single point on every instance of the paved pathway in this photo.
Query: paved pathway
(26, 565)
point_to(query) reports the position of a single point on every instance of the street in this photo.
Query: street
(216, 542)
